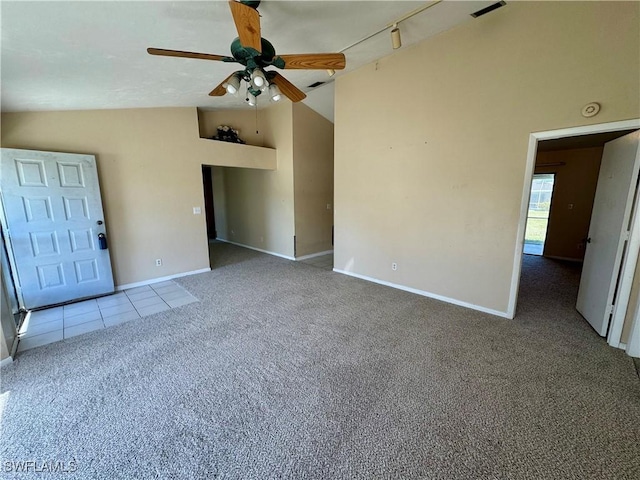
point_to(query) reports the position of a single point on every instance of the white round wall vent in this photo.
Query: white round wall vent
(590, 109)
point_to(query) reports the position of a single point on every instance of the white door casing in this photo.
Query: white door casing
(608, 230)
(53, 213)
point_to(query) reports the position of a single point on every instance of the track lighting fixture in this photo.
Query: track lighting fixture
(396, 41)
(331, 72)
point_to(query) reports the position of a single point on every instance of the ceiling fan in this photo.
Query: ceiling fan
(256, 54)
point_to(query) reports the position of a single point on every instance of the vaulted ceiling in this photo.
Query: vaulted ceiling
(92, 55)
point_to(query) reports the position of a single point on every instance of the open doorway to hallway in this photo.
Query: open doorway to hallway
(538, 217)
(583, 161)
(209, 189)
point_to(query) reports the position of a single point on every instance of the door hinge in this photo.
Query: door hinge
(609, 310)
(626, 235)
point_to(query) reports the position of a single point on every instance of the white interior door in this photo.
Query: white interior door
(53, 213)
(608, 230)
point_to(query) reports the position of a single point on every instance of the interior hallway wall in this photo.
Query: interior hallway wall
(313, 180)
(573, 193)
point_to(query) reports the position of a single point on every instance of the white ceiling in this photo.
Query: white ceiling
(77, 55)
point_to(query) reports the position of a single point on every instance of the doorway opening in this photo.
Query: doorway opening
(538, 214)
(209, 210)
(568, 203)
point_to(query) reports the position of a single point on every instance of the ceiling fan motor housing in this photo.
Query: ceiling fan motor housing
(250, 3)
(248, 56)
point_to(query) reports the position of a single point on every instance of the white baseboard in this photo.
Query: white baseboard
(313, 255)
(256, 249)
(160, 279)
(426, 294)
(6, 362)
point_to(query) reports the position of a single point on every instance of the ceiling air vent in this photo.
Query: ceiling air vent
(316, 84)
(488, 9)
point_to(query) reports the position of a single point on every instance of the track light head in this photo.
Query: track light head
(396, 41)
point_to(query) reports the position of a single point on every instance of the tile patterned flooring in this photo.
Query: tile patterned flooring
(54, 324)
(324, 261)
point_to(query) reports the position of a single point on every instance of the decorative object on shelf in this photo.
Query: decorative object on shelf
(256, 54)
(228, 134)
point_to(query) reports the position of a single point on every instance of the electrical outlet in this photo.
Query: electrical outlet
(394, 266)
(197, 210)
(158, 262)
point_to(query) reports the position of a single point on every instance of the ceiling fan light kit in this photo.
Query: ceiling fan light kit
(251, 99)
(258, 79)
(256, 54)
(274, 92)
(232, 85)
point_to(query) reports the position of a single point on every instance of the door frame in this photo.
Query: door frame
(11, 275)
(628, 266)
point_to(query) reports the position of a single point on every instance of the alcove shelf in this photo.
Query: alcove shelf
(227, 154)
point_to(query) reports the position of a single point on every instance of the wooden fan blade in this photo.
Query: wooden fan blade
(220, 90)
(314, 61)
(287, 88)
(178, 53)
(247, 22)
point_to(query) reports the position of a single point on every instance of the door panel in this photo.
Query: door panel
(608, 229)
(54, 215)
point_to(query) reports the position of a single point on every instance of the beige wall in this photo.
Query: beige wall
(575, 186)
(149, 162)
(431, 142)
(258, 204)
(313, 180)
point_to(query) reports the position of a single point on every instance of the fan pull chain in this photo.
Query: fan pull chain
(256, 108)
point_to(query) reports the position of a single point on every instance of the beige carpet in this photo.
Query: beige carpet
(284, 370)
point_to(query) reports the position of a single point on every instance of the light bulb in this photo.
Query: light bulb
(233, 84)
(274, 92)
(258, 79)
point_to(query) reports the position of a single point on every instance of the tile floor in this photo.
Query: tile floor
(325, 261)
(54, 324)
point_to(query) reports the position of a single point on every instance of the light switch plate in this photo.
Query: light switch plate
(197, 210)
